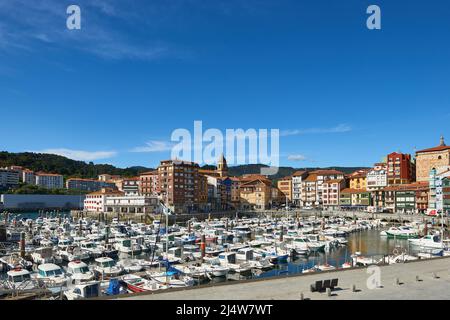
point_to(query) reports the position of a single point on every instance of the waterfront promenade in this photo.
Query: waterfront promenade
(291, 287)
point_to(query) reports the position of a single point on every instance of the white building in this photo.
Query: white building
(28, 177)
(132, 204)
(49, 180)
(377, 177)
(297, 179)
(96, 201)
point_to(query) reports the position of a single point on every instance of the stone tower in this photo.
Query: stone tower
(442, 144)
(222, 167)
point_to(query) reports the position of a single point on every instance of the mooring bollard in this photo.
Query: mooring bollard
(302, 297)
(434, 275)
(417, 278)
(329, 292)
(354, 288)
(397, 281)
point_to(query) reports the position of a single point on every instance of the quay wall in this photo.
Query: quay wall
(35, 202)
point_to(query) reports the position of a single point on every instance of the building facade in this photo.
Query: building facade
(331, 193)
(256, 194)
(437, 158)
(149, 183)
(285, 186)
(183, 189)
(49, 180)
(9, 178)
(87, 184)
(400, 169)
(96, 201)
(297, 179)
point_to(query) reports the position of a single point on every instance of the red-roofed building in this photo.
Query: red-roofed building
(437, 158)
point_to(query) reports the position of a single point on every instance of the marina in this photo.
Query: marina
(61, 256)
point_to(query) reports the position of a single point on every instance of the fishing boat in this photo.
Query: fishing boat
(228, 259)
(171, 278)
(20, 279)
(51, 274)
(107, 268)
(427, 242)
(359, 260)
(131, 265)
(73, 253)
(326, 267)
(13, 261)
(91, 248)
(402, 232)
(214, 269)
(137, 284)
(79, 272)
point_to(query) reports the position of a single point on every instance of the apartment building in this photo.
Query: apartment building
(87, 184)
(183, 189)
(256, 194)
(96, 201)
(131, 186)
(400, 169)
(297, 179)
(285, 186)
(28, 177)
(331, 192)
(149, 183)
(49, 180)
(9, 178)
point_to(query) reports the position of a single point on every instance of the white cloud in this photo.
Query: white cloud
(80, 154)
(154, 146)
(296, 157)
(341, 128)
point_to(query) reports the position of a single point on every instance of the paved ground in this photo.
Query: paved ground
(291, 287)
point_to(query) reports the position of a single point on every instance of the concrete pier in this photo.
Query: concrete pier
(426, 279)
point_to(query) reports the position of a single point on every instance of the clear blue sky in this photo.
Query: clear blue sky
(137, 70)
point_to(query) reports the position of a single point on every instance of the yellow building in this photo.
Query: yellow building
(358, 180)
(255, 194)
(285, 186)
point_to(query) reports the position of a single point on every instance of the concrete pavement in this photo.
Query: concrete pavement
(290, 287)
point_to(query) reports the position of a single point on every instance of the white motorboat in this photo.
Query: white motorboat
(402, 232)
(79, 272)
(213, 268)
(131, 265)
(228, 259)
(20, 279)
(171, 279)
(51, 275)
(107, 268)
(91, 248)
(428, 242)
(326, 267)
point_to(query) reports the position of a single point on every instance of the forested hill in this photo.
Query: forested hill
(65, 166)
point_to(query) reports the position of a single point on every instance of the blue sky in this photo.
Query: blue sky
(137, 70)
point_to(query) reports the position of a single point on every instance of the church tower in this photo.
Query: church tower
(442, 144)
(222, 167)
